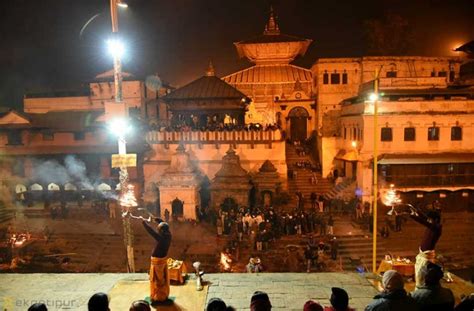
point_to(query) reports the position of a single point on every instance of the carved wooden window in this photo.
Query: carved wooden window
(391, 74)
(410, 134)
(451, 76)
(456, 133)
(386, 134)
(325, 78)
(433, 133)
(344, 78)
(48, 136)
(14, 138)
(79, 135)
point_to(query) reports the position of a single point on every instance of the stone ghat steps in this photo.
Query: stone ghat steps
(6, 215)
(302, 183)
(105, 254)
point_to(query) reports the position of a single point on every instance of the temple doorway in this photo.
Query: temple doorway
(177, 208)
(298, 123)
(229, 204)
(267, 197)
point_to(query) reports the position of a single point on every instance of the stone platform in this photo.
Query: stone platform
(287, 291)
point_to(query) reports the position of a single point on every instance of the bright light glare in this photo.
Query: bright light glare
(116, 48)
(354, 144)
(123, 5)
(373, 97)
(120, 127)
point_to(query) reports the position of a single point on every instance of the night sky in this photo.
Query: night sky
(42, 48)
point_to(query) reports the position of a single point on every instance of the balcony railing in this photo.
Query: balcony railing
(214, 137)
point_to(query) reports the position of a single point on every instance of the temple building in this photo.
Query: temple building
(206, 103)
(207, 117)
(281, 93)
(424, 125)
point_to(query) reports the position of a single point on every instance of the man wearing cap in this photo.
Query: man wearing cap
(432, 296)
(159, 277)
(260, 302)
(339, 300)
(394, 297)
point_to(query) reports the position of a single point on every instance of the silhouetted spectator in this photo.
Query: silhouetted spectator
(339, 300)
(217, 304)
(98, 302)
(312, 305)
(260, 302)
(140, 305)
(466, 304)
(37, 307)
(431, 296)
(394, 296)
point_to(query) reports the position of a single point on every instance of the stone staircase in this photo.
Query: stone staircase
(344, 190)
(302, 182)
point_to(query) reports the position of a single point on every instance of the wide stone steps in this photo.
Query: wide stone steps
(6, 214)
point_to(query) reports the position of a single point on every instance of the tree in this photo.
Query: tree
(390, 35)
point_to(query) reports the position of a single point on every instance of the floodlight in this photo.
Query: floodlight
(120, 126)
(373, 97)
(115, 47)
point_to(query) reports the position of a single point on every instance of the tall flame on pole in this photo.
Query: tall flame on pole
(391, 197)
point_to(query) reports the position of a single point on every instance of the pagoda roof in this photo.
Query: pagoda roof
(466, 47)
(272, 46)
(275, 73)
(206, 87)
(265, 38)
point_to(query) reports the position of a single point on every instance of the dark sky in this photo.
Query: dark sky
(42, 49)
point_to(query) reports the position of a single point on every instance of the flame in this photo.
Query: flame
(127, 199)
(391, 197)
(225, 261)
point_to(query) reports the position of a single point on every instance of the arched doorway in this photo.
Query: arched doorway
(228, 205)
(267, 198)
(298, 123)
(177, 208)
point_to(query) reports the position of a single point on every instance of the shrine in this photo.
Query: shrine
(179, 187)
(231, 184)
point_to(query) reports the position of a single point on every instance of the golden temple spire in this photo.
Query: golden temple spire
(210, 70)
(271, 28)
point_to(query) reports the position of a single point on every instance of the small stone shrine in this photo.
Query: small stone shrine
(179, 187)
(267, 181)
(231, 183)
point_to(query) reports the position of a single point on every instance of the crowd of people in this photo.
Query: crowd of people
(215, 126)
(259, 228)
(429, 297)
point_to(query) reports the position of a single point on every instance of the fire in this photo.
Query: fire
(391, 197)
(127, 199)
(225, 261)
